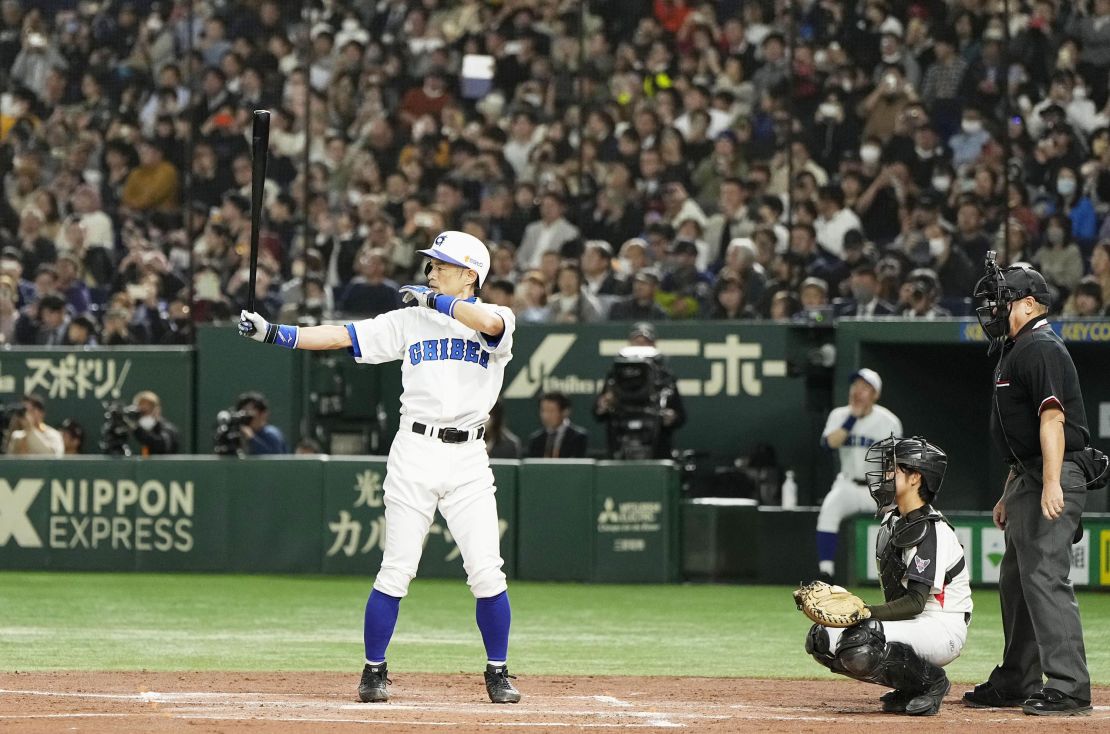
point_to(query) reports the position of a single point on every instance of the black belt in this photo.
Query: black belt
(448, 435)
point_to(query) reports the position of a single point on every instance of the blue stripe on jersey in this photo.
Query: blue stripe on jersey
(492, 340)
(355, 350)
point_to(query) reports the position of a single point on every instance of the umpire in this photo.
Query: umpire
(1038, 422)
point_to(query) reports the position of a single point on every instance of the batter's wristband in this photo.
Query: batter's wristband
(849, 423)
(286, 336)
(445, 304)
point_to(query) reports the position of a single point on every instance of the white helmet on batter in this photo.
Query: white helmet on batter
(462, 249)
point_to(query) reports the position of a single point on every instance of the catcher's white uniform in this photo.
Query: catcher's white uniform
(937, 634)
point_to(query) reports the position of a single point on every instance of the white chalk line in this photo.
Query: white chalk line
(205, 701)
(359, 722)
(260, 700)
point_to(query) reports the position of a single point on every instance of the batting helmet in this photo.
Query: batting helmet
(914, 453)
(462, 249)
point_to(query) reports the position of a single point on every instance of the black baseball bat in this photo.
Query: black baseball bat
(260, 149)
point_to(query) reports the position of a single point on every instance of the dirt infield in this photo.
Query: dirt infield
(326, 702)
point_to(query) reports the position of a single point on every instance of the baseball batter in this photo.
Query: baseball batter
(922, 626)
(851, 429)
(453, 351)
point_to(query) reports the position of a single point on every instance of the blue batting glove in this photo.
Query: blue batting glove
(422, 294)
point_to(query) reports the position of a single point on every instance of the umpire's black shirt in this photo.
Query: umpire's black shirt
(1036, 373)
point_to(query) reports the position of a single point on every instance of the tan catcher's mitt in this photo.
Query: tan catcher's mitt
(831, 606)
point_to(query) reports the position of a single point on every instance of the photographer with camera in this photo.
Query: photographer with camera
(143, 421)
(261, 437)
(919, 296)
(155, 434)
(640, 404)
(28, 433)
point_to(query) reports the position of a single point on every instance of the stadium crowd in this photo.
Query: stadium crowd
(644, 159)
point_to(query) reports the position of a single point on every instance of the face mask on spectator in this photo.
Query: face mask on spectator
(870, 154)
(1065, 186)
(970, 126)
(942, 183)
(1056, 236)
(829, 110)
(936, 246)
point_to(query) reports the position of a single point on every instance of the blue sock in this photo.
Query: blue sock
(381, 618)
(826, 546)
(493, 615)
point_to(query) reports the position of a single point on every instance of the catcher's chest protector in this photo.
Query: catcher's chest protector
(895, 536)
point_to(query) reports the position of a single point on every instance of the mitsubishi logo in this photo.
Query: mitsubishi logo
(14, 506)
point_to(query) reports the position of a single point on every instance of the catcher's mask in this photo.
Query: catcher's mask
(999, 288)
(915, 454)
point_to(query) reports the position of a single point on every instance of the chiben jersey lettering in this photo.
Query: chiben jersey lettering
(451, 374)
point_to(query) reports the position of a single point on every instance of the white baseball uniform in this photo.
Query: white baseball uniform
(937, 634)
(849, 495)
(451, 376)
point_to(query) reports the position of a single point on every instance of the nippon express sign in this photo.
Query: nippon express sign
(97, 514)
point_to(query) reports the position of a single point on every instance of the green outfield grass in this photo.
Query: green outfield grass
(95, 621)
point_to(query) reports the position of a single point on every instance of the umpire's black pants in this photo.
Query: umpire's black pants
(1040, 617)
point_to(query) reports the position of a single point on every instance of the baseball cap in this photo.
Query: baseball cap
(462, 249)
(600, 246)
(871, 377)
(643, 329)
(1025, 281)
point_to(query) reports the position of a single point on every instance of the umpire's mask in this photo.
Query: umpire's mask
(998, 289)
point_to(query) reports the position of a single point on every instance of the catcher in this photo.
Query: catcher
(922, 626)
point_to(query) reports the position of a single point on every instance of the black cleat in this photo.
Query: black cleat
(372, 687)
(986, 696)
(894, 702)
(928, 703)
(498, 685)
(1051, 702)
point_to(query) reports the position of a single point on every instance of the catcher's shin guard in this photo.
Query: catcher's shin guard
(865, 655)
(817, 645)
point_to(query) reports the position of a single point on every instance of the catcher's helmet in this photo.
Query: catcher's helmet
(914, 453)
